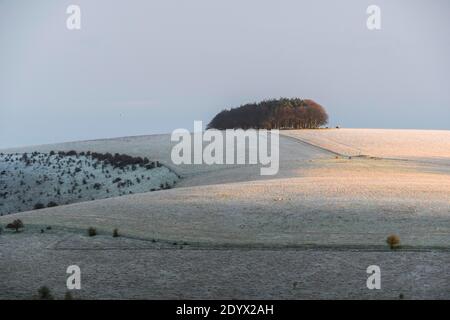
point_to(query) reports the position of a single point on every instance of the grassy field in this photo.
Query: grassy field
(226, 232)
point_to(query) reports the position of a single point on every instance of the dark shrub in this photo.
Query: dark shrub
(117, 180)
(115, 233)
(38, 206)
(92, 232)
(44, 293)
(16, 225)
(52, 204)
(393, 241)
(97, 186)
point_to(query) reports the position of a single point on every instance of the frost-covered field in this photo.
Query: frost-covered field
(338, 202)
(226, 232)
(431, 145)
(36, 180)
(131, 269)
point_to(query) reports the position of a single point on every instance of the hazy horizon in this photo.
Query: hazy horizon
(147, 67)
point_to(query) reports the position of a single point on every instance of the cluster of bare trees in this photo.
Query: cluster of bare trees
(272, 114)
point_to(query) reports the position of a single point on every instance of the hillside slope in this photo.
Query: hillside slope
(321, 221)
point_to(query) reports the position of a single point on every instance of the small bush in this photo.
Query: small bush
(16, 225)
(52, 204)
(117, 180)
(44, 293)
(393, 241)
(38, 206)
(97, 186)
(115, 233)
(92, 232)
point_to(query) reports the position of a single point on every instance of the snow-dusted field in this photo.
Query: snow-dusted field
(226, 232)
(131, 269)
(344, 202)
(155, 147)
(431, 145)
(33, 180)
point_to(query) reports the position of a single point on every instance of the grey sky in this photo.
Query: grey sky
(142, 67)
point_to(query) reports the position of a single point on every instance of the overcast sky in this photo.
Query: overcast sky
(143, 67)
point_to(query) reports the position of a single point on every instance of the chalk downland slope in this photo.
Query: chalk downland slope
(317, 197)
(35, 180)
(223, 219)
(431, 145)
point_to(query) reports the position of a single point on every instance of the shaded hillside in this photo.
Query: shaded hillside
(37, 180)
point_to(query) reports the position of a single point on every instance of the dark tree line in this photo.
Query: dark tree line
(117, 160)
(272, 114)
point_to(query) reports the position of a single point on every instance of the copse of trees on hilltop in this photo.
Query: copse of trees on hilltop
(272, 114)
